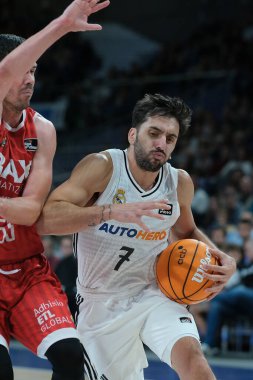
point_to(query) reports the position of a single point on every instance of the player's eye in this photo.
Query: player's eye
(170, 139)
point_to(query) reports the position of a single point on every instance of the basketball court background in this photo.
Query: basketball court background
(28, 367)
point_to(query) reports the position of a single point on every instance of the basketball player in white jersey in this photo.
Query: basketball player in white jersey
(117, 243)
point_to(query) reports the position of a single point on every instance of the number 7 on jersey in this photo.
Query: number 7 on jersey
(125, 257)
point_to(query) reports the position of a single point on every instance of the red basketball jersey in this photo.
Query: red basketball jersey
(17, 149)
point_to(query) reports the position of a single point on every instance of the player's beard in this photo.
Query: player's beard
(23, 104)
(143, 159)
(17, 104)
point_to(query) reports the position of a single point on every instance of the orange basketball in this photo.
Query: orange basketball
(179, 271)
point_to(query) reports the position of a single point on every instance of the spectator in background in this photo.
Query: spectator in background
(235, 301)
(218, 236)
(200, 202)
(248, 253)
(229, 199)
(242, 231)
(245, 226)
(66, 270)
(246, 192)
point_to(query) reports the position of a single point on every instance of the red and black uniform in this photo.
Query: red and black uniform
(33, 307)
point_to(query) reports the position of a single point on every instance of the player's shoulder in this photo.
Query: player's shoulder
(94, 170)
(41, 121)
(97, 162)
(44, 127)
(183, 177)
(102, 158)
(185, 184)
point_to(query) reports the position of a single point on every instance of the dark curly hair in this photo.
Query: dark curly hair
(9, 42)
(161, 105)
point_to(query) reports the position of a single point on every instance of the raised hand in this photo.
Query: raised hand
(75, 16)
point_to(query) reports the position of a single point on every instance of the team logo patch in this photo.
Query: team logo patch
(31, 145)
(185, 320)
(119, 197)
(166, 212)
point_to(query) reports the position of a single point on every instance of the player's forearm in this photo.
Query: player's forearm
(20, 210)
(60, 218)
(193, 234)
(199, 235)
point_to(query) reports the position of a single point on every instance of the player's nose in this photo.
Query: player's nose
(29, 78)
(161, 143)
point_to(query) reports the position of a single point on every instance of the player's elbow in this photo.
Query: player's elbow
(180, 234)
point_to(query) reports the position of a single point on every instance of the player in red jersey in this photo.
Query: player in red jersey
(33, 308)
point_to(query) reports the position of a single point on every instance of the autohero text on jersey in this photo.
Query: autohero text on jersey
(132, 232)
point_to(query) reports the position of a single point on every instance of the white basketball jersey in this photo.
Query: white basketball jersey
(116, 257)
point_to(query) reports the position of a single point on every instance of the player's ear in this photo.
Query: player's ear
(132, 136)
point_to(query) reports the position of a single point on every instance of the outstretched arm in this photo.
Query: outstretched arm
(70, 209)
(73, 19)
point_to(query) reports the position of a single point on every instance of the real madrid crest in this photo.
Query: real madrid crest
(119, 197)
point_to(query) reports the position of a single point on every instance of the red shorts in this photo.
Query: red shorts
(33, 307)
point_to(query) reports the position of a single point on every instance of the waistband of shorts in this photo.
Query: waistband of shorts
(98, 295)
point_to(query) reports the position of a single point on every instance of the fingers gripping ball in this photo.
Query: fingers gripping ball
(179, 271)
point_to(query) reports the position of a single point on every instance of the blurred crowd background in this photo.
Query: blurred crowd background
(202, 52)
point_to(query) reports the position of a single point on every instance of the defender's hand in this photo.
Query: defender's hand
(75, 16)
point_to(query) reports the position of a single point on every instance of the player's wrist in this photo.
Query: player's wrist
(3, 206)
(105, 213)
(62, 25)
(102, 214)
(108, 211)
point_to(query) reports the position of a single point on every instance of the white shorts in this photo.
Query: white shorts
(113, 333)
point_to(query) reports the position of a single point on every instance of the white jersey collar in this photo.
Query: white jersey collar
(136, 185)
